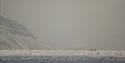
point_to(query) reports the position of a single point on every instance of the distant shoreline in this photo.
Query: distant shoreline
(62, 53)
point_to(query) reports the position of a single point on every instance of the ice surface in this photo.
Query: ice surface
(60, 59)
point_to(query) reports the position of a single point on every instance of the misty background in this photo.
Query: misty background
(71, 24)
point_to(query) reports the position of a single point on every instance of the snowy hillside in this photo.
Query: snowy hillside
(15, 36)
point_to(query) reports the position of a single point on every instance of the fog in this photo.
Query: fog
(71, 24)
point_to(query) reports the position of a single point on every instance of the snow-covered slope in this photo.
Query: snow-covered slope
(15, 36)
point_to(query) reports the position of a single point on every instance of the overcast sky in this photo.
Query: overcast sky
(71, 24)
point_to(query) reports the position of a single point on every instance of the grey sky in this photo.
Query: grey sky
(71, 24)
